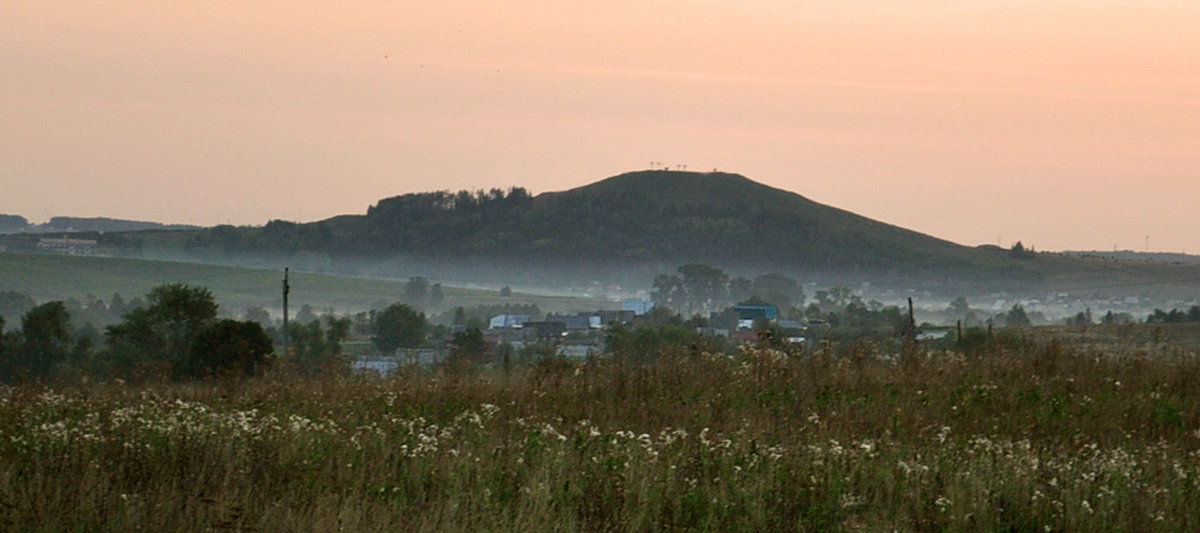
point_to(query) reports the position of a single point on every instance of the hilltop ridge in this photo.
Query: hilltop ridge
(633, 221)
(631, 226)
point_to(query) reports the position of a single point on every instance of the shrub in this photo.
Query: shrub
(226, 348)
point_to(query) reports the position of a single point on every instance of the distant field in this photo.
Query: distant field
(1157, 339)
(48, 277)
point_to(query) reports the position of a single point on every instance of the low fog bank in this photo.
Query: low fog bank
(1048, 300)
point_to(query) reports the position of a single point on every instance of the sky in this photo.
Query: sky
(1065, 125)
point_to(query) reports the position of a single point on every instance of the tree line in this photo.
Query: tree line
(697, 287)
(1175, 316)
(175, 332)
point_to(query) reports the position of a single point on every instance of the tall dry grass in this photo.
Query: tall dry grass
(1040, 437)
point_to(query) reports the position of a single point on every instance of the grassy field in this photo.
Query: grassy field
(48, 277)
(1042, 436)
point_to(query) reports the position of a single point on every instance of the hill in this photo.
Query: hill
(1144, 257)
(629, 227)
(640, 221)
(16, 223)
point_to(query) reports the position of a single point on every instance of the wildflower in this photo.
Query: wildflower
(849, 501)
(942, 434)
(942, 502)
(489, 410)
(835, 448)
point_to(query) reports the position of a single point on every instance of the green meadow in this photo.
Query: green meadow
(48, 277)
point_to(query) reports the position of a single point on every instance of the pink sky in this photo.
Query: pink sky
(1073, 126)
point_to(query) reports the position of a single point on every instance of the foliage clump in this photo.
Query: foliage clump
(399, 326)
(175, 333)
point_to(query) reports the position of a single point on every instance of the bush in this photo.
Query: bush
(399, 326)
(226, 348)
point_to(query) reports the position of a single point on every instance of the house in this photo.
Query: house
(741, 317)
(507, 321)
(578, 351)
(791, 324)
(68, 246)
(726, 320)
(639, 307)
(387, 365)
(624, 316)
(574, 322)
(756, 312)
(545, 330)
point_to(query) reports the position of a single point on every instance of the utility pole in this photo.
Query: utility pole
(908, 352)
(286, 290)
(912, 322)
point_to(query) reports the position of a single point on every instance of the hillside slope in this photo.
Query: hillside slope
(628, 227)
(634, 219)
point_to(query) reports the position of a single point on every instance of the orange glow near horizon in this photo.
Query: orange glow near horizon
(1064, 126)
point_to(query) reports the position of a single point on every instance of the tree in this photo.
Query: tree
(159, 334)
(399, 326)
(740, 289)
(668, 291)
(415, 291)
(1117, 318)
(306, 315)
(1019, 251)
(258, 314)
(435, 295)
(842, 296)
(1082, 318)
(226, 348)
(46, 336)
(658, 317)
(959, 307)
(318, 345)
(14, 304)
(706, 285)
(783, 292)
(5, 363)
(116, 308)
(182, 311)
(1016, 317)
(470, 345)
